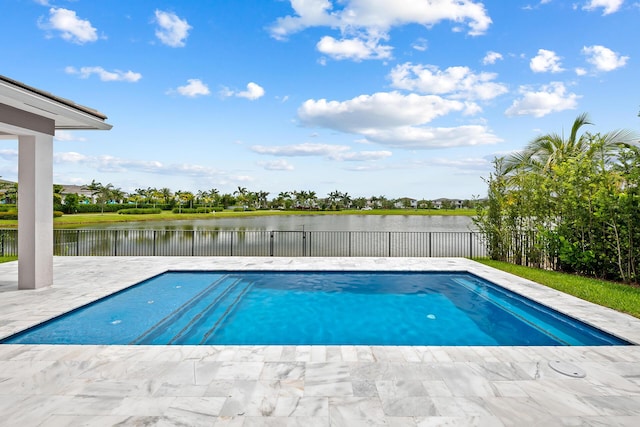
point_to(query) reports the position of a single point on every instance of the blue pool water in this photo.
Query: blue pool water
(331, 308)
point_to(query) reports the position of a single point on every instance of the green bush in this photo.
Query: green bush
(139, 211)
(7, 208)
(9, 215)
(184, 210)
(91, 208)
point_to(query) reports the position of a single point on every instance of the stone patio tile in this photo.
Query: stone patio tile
(53, 385)
(477, 421)
(353, 411)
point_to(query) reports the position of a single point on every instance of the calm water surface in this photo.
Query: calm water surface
(308, 223)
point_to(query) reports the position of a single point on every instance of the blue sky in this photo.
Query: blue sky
(370, 97)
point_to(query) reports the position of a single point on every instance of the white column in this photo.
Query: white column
(35, 211)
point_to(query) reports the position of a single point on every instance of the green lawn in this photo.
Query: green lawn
(7, 258)
(618, 296)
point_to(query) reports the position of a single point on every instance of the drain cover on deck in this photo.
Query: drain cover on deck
(566, 368)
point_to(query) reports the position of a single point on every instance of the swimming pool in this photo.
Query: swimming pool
(330, 308)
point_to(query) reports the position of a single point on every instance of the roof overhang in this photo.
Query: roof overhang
(66, 114)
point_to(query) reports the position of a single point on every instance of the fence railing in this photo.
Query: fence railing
(257, 243)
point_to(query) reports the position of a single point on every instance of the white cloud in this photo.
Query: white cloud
(549, 99)
(171, 30)
(609, 6)
(604, 59)
(380, 110)
(355, 49)
(363, 24)
(395, 120)
(420, 45)
(333, 152)
(363, 156)
(310, 13)
(465, 164)
(546, 61)
(254, 91)
(300, 150)
(580, 71)
(277, 165)
(71, 27)
(111, 164)
(423, 138)
(104, 75)
(381, 15)
(69, 157)
(458, 82)
(8, 154)
(491, 58)
(66, 136)
(193, 88)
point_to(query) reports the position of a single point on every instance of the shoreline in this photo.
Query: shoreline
(74, 220)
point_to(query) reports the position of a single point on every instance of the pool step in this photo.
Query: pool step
(205, 323)
(173, 323)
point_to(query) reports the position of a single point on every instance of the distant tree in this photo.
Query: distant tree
(101, 193)
(227, 200)
(57, 194)
(166, 195)
(71, 203)
(241, 196)
(359, 202)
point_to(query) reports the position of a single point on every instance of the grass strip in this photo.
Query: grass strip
(618, 296)
(7, 258)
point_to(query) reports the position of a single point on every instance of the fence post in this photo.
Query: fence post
(231, 247)
(193, 242)
(389, 244)
(2, 243)
(304, 245)
(271, 244)
(349, 244)
(154, 243)
(470, 244)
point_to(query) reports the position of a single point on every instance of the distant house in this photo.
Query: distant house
(80, 190)
(406, 202)
(443, 203)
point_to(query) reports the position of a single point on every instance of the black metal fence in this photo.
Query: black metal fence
(257, 243)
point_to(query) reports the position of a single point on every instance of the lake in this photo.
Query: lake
(398, 223)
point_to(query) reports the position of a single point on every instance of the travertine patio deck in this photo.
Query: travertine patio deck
(303, 385)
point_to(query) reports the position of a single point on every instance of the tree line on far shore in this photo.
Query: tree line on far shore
(98, 197)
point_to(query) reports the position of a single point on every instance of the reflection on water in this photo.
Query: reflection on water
(306, 223)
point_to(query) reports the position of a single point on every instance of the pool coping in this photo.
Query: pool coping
(304, 385)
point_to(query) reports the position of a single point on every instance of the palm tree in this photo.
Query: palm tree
(241, 195)
(545, 151)
(101, 193)
(166, 195)
(262, 198)
(345, 199)
(214, 196)
(333, 198)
